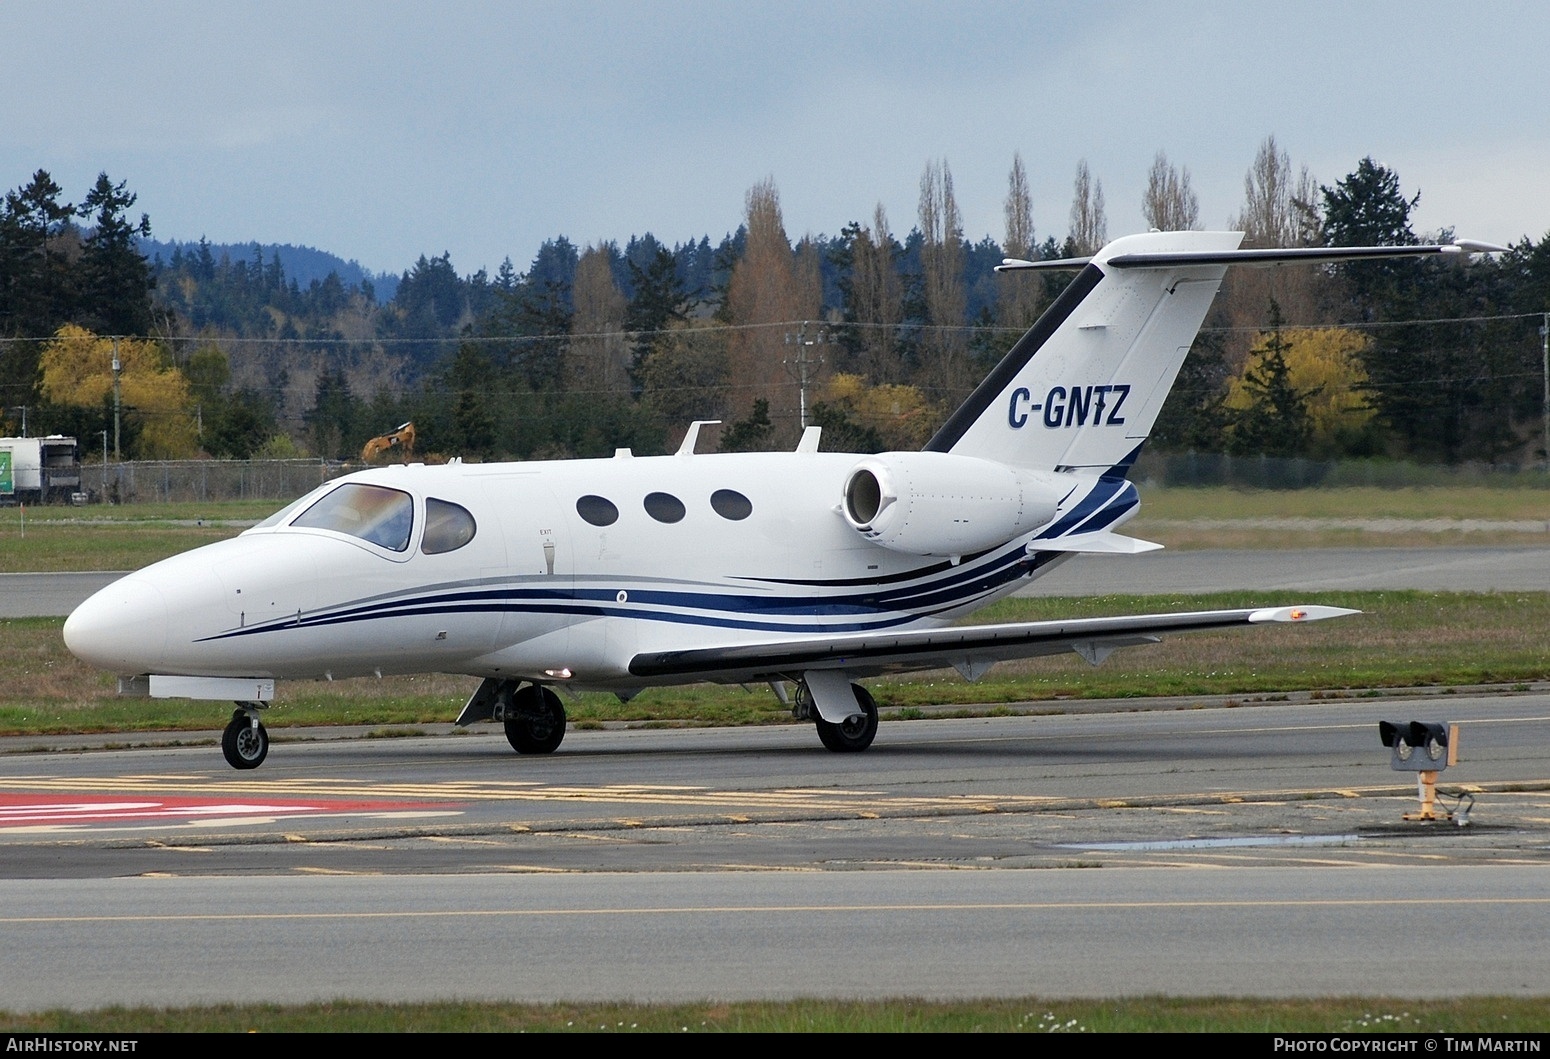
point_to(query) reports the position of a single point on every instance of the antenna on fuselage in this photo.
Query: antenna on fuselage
(687, 448)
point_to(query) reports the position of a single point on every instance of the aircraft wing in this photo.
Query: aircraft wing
(971, 649)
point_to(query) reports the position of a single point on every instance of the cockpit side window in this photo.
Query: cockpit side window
(371, 512)
(447, 527)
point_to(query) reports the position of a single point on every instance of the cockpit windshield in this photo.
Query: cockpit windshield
(299, 504)
(371, 512)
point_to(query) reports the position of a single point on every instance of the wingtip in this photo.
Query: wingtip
(1300, 614)
(1474, 246)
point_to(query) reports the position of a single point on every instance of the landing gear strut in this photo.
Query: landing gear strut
(852, 735)
(245, 742)
(534, 719)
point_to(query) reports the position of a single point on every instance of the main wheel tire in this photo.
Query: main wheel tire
(244, 743)
(535, 721)
(856, 732)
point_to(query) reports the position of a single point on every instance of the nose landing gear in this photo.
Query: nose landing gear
(245, 742)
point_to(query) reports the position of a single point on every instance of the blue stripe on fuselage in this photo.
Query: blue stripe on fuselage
(889, 608)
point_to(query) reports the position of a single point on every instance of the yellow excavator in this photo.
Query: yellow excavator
(380, 449)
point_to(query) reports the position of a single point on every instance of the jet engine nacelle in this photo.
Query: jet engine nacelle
(936, 503)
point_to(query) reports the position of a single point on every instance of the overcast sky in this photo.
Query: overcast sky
(380, 131)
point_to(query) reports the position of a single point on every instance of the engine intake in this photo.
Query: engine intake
(936, 503)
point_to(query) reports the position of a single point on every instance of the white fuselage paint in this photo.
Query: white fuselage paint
(539, 593)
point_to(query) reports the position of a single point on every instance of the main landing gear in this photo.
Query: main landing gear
(848, 736)
(533, 716)
(245, 742)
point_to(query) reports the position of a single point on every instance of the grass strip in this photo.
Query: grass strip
(1472, 1015)
(1403, 639)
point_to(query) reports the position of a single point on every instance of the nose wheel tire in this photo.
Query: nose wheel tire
(857, 731)
(244, 743)
(535, 721)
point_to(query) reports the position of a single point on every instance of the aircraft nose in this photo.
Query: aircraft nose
(123, 628)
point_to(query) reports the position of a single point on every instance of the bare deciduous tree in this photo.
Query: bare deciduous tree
(1170, 204)
(1278, 208)
(600, 351)
(877, 299)
(1019, 211)
(1089, 226)
(1018, 296)
(768, 296)
(944, 344)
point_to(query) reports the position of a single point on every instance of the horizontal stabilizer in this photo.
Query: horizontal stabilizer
(1272, 256)
(1104, 543)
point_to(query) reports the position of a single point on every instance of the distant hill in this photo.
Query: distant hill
(301, 263)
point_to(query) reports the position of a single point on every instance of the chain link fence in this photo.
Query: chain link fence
(164, 481)
(148, 481)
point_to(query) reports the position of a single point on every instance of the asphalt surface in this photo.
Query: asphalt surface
(1180, 848)
(682, 937)
(1165, 847)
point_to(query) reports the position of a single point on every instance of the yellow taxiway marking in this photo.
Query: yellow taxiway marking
(802, 909)
(676, 796)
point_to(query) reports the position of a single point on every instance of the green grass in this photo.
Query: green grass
(1424, 502)
(129, 536)
(1026, 1015)
(1403, 639)
(116, 537)
(217, 510)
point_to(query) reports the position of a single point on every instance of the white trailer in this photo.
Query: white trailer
(41, 470)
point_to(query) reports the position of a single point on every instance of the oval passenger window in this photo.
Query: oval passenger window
(597, 510)
(664, 507)
(729, 503)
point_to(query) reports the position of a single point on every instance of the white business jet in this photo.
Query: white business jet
(811, 567)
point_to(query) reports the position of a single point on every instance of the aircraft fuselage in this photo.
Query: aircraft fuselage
(566, 577)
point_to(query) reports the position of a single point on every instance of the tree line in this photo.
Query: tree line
(871, 335)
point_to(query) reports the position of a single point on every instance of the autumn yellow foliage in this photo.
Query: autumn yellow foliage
(77, 370)
(1326, 363)
(900, 414)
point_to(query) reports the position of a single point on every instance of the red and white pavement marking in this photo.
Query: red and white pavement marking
(34, 810)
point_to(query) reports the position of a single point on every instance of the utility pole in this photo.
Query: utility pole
(1544, 345)
(117, 367)
(803, 362)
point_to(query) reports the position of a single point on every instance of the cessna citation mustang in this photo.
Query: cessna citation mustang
(619, 574)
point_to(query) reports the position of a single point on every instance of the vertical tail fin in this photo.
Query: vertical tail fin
(1082, 389)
